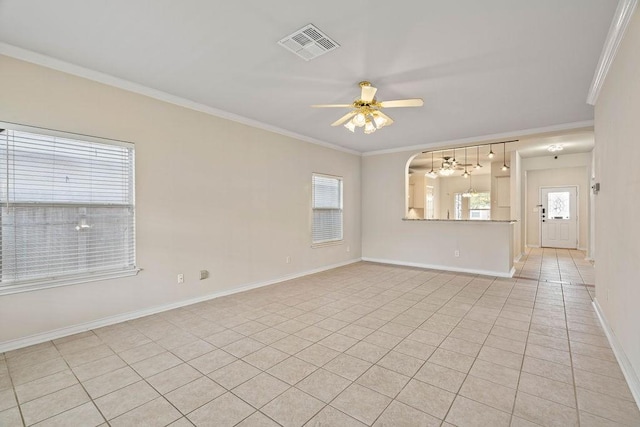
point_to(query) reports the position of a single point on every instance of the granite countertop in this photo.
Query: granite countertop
(510, 221)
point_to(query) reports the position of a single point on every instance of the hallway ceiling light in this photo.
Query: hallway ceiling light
(555, 147)
(491, 151)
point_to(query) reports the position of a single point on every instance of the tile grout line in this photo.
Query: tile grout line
(15, 394)
(524, 353)
(454, 326)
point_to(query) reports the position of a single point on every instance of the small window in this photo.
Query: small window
(67, 212)
(327, 209)
(430, 203)
(558, 204)
(480, 206)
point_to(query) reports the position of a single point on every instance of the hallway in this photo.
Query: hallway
(556, 265)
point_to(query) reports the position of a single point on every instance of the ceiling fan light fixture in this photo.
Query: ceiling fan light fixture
(379, 120)
(445, 169)
(367, 108)
(369, 127)
(350, 125)
(359, 120)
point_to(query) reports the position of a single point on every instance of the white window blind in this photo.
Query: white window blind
(327, 209)
(67, 209)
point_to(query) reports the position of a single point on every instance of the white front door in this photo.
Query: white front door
(558, 217)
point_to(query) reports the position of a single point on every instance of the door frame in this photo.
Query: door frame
(577, 211)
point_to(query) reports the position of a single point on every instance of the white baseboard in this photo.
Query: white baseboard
(106, 321)
(518, 257)
(627, 369)
(442, 267)
(533, 246)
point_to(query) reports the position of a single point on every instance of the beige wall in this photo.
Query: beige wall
(567, 170)
(483, 246)
(211, 194)
(617, 127)
(497, 211)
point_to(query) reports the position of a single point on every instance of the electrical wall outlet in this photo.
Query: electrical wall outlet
(288, 259)
(456, 253)
(180, 278)
(348, 248)
(204, 274)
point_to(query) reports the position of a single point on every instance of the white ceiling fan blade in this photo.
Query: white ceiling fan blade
(413, 102)
(332, 106)
(368, 92)
(344, 118)
(389, 119)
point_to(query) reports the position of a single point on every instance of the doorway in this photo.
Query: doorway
(558, 217)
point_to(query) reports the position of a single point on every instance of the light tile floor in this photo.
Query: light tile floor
(366, 344)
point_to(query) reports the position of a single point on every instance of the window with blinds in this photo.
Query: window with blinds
(68, 210)
(327, 209)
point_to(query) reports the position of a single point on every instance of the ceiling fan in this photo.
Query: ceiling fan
(366, 111)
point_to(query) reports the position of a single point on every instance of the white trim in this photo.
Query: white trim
(442, 267)
(74, 329)
(533, 246)
(485, 139)
(518, 257)
(619, 25)
(625, 365)
(67, 281)
(76, 70)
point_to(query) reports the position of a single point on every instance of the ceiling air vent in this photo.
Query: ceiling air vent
(308, 42)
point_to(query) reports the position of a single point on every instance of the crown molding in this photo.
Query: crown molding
(619, 25)
(89, 74)
(485, 138)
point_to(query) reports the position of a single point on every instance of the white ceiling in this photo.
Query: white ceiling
(482, 67)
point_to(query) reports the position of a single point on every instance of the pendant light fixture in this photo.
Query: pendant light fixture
(454, 161)
(504, 156)
(478, 165)
(465, 174)
(470, 192)
(432, 173)
(491, 151)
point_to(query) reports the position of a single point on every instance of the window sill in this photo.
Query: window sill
(323, 244)
(76, 280)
